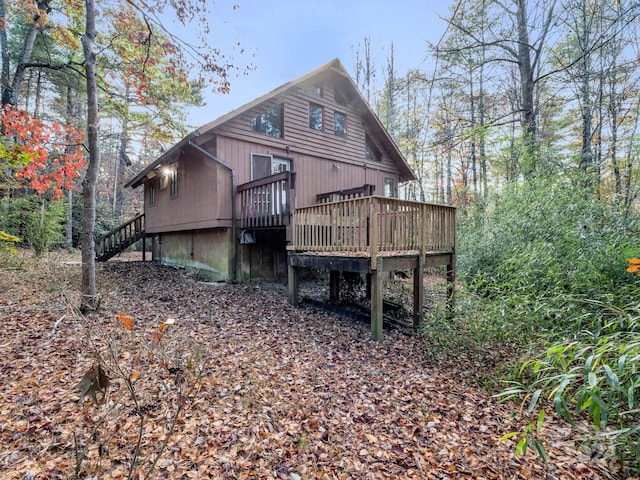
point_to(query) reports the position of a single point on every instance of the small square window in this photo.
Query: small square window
(316, 91)
(339, 124)
(315, 117)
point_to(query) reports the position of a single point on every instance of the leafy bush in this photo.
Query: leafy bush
(545, 250)
(37, 221)
(549, 262)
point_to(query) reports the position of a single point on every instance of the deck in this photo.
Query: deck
(373, 235)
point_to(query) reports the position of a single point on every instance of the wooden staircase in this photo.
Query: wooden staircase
(118, 239)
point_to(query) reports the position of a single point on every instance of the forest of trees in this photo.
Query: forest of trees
(528, 120)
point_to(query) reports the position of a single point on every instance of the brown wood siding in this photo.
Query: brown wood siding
(315, 174)
(197, 204)
(304, 140)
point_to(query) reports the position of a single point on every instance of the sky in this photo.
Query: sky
(285, 39)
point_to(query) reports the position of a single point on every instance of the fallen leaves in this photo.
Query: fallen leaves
(285, 393)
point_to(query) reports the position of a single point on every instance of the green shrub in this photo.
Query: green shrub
(38, 222)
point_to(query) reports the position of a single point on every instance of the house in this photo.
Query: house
(305, 168)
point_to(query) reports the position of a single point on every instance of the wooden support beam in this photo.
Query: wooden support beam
(293, 296)
(451, 283)
(334, 286)
(418, 293)
(376, 304)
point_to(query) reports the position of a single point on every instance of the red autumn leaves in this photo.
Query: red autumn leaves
(47, 157)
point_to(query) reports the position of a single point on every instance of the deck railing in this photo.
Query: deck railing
(120, 238)
(374, 225)
(267, 202)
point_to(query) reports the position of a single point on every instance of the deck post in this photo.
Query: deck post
(451, 283)
(418, 293)
(144, 248)
(292, 282)
(376, 303)
(334, 286)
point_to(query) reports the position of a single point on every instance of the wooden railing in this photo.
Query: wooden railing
(267, 202)
(120, 238)
(364, 191)
(371, 226)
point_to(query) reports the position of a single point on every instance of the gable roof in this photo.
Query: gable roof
(335, 67)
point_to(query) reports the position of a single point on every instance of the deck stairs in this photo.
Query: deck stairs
(120, 238)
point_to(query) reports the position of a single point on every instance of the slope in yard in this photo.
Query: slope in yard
(238, 384)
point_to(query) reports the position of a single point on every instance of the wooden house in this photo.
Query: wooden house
(305, 176)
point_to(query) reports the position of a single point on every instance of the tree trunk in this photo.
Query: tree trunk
(527, 115)
(10, 90)
(88, 288)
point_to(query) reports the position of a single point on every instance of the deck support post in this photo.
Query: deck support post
(144, 248)
(418, 293)
(376, 303)
(451, 283)
(292, 273)
(334, 286)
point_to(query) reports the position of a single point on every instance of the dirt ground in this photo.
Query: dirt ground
(229, 381)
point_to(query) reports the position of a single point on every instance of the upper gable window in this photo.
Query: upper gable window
(371, 151)
(315, 117)
(339, 124)
(316, 91)
(270, 122)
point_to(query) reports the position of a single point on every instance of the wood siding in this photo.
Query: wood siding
(198, 201)
(323, 162)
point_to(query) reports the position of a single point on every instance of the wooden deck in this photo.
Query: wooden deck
(373, 235)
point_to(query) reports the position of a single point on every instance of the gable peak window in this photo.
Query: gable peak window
(270, 122)
(316, 91)
(339, 124)
(315, 117)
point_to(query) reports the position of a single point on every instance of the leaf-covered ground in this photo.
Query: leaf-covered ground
(242, 385)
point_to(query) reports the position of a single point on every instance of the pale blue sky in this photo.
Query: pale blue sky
(292, 37)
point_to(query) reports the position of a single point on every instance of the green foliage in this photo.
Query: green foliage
(545, 251)
(594, 374)
(549, 263)
(36, 221)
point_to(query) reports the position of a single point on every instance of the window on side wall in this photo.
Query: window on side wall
(371, 151)
(173, 181)
(152, 194)
(270, 122)
(339, 124)
(315, 117)
(389, 187)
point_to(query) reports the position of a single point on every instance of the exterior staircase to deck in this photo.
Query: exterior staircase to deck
(120, 238)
